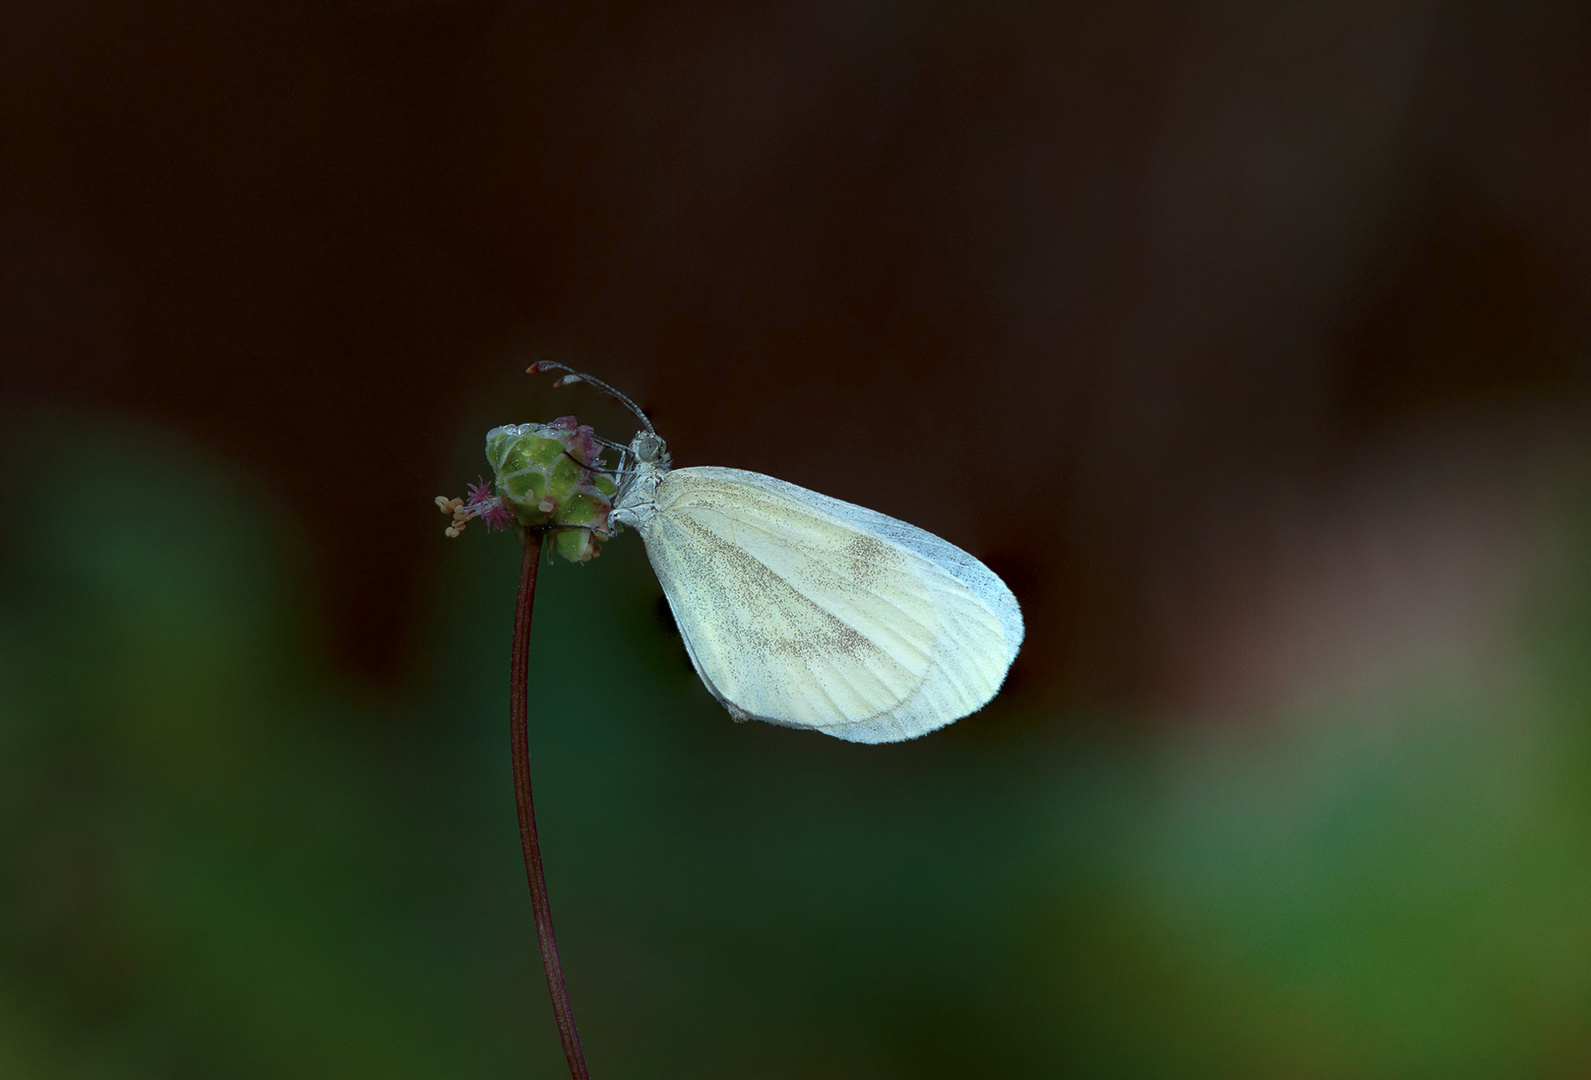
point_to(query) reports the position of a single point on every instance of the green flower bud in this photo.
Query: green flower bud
(543, 476)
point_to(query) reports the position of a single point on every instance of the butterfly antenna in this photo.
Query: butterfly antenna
(571, 376)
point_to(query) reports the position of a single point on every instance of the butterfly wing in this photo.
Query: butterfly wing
(810, 612)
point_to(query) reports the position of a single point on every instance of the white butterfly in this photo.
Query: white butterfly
(809, 612)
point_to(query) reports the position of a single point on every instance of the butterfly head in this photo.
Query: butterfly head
(648, 448)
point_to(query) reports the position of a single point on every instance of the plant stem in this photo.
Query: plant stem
(519, 742)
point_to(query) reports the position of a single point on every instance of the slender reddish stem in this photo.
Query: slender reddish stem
(519, 741)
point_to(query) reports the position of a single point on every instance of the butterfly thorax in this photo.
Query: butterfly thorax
(637, 501)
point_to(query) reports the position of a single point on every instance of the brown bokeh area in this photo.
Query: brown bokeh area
(1065, 283)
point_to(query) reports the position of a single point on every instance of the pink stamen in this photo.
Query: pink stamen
(487, 506)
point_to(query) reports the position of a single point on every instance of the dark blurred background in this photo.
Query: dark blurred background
(1251, 343)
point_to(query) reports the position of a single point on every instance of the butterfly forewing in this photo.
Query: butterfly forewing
(811, 612)
(774, 624)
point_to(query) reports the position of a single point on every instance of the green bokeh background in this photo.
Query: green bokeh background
(218, 858)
